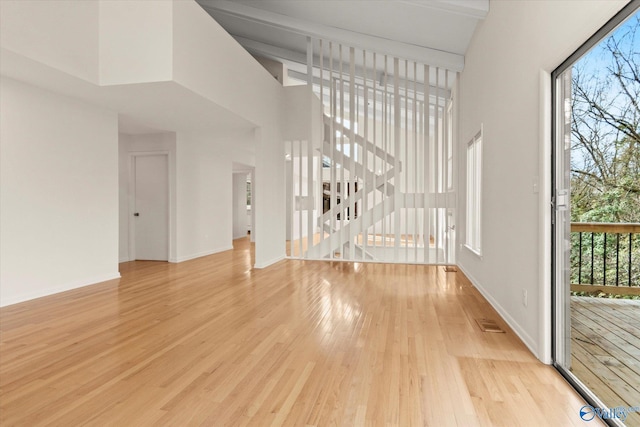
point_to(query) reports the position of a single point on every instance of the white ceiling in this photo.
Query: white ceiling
(142, 108)
(436, 32)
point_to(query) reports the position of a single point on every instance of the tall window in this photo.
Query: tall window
(474, 193)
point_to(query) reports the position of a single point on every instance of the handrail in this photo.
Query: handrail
(605, 227)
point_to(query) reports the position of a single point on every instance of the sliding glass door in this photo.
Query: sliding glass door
(596, 220)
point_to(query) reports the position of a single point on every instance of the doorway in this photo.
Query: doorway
(149, 216)
(242, 219)
(596, 220)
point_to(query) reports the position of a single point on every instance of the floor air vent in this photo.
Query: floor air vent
(450, 269)
(488, 325)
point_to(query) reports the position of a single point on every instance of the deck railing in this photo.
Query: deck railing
(605, 257)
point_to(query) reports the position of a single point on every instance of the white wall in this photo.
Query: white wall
(124, 142)
(240, 144)
(109, 43)
(207, 60)
(204, 197)
(239, 205)
(500, 88)
(62, 34)
(302, 116)
(223, 71)
(113, 43)
(135, 45)
(201, 197)
(268, 203)
(59, 194)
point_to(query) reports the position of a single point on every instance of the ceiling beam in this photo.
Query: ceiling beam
(434, 92)
(296, 62)
(269, 50)
(477, 9)
(434, 57)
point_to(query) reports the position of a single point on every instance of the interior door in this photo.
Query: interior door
(151, 208)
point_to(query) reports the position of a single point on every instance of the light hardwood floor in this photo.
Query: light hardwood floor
(213, 342)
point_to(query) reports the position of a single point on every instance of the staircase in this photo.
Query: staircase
(400, 201)
(345, 237)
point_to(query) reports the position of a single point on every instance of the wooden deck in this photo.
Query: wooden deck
(605, 349)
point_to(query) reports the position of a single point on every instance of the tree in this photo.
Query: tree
(605, 157)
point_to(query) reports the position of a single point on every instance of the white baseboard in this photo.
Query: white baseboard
(6, 301)
(268, 263)
(121, 260)
(522, 334)
(200, 254)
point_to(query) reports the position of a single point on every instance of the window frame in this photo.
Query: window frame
(474, 163)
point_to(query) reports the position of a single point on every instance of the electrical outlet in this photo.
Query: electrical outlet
(525, 298)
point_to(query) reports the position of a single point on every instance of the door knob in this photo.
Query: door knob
(136, 214)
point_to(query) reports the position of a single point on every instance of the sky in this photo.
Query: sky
(593, 71)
